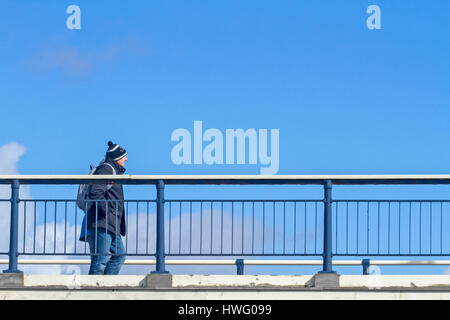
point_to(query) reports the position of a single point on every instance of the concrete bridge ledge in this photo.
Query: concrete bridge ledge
(224, 287)
(169, 281)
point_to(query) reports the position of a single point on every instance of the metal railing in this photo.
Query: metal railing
(242, 228)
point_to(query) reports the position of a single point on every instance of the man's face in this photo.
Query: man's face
(122, 161)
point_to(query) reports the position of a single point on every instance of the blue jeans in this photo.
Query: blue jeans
(107, 243)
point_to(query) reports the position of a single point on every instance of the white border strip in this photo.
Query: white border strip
(231, 177)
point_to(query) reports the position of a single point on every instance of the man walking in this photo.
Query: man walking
(106, 217)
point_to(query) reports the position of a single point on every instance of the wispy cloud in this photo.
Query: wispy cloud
(80, 61)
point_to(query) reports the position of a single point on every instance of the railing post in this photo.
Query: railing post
(327, 239)
(366, 265)
(160, 254)
(239, 266)
(14, 229)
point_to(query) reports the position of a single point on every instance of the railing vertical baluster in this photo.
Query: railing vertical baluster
(201, 226)
(441, 227)
(328, 241)
(96, 227)
(284, 227)
(357, 228)
(264, 226)
(431, 224)
(45, 224)
(304, 232)
(389, 228)
(75, 230)
(378, 229)
(116, 213)
(399, 229)
(190, 227)
(86, 243)
(14, 229)
(315, 228)
(160, 254)
(295, 224)
(242, 228)
(273, 227)
(137, 226)
(346, 229)
(232, 225)
(146, 226)
(54, 230)
(106, 223)
(65, 226)
(337, 220)
(420, 229)
(368, 229)
(253, 227)
(126, 222)
(409, 235)
(179, 235)
(34, 230)
(170, 225)
(221, 227)
(24, 224)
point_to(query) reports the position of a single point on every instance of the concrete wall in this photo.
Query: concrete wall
(226, 287)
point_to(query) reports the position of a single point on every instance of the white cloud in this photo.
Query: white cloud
(10, 155)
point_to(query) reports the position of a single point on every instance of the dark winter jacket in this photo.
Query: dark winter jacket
(108, 215)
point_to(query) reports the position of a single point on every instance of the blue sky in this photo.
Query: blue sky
(346, 99)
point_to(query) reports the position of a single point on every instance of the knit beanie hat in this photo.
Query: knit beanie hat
(115, 151)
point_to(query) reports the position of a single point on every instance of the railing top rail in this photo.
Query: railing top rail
(245, 262)
(231, 179)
